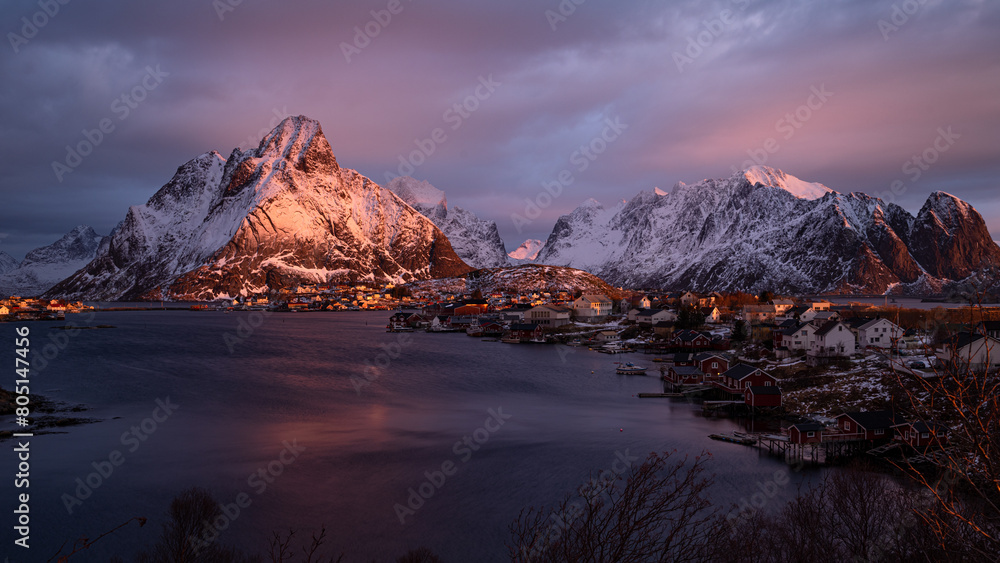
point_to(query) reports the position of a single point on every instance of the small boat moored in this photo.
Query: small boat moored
(629, 368)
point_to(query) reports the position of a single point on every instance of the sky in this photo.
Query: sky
(518, 110)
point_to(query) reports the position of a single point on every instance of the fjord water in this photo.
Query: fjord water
(243, 395)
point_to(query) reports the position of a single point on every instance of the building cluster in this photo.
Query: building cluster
(17, 308)
(327, 297)
(513, 321)
(823, 339)
(870, 428)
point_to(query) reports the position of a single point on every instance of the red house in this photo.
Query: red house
(805, 433)
(525, 331)
(712, 364)
(874, 425)
(921, 434)
(762, 396)
(741, 376)
(683, 359)
(692, 339)
(687, 375)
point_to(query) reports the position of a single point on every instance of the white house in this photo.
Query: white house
(879, 333)
(590, 307)
(818, 316)
(548, 315)
(653, 316)
(635, 302)
(799, 338)
(4, 310)
(607, 336)
(972, 351)
(832, 339)
(782, 305)
(712, 314)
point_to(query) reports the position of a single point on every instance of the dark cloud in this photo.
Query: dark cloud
(749, 63)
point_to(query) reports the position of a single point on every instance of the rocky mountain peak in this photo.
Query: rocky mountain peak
(527, 251)
(266, 219)
(475, 240)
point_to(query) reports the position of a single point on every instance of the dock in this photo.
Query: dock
(660, 395)
(745, 439)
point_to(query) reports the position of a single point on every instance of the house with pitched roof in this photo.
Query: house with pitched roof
(879, 333)
(739, 377)
(870, 425)
(592, 307)
(973, 351)
(833, 339)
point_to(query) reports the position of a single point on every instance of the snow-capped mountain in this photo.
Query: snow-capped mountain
(45, 266)
(264, 219)
(7, 262)
(762, 229)
(475, 240)
(527, 252)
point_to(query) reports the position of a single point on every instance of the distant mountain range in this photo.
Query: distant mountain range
(764, 230)
(286, 212)
(44, 267)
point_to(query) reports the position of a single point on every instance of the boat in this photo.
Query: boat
(510, 340)
(735, 438)
(614, 348)
(628, 368)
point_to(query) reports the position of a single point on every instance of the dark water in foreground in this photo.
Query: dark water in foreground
(241, 398)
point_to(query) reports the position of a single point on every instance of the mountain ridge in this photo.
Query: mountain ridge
(45, 266)
(764, 230)
(261, 220)
(475, 240)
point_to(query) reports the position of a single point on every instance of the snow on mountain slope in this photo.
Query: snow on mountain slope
(264, 219)
(45, 266)
(762, 229)
(767, 176)
(584, 239)
(476, 241)
(421, 195)
(7, 262)
(527, 252)
(522, 279)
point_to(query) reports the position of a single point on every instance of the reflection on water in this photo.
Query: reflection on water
(426, 401)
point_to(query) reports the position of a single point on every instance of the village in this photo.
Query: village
(831, 372)
(16, 308)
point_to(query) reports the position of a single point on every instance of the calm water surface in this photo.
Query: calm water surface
(241, 398)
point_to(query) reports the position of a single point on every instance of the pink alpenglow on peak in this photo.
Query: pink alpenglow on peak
(527, 251)
(263, 220)
(776, 178)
